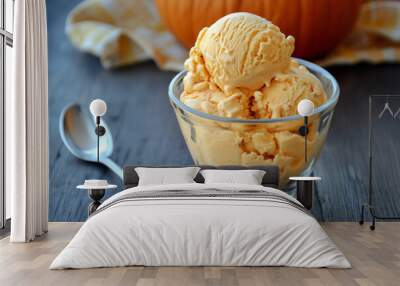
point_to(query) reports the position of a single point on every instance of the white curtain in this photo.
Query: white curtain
(27, 124)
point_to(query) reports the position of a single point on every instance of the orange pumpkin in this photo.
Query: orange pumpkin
(317, 25)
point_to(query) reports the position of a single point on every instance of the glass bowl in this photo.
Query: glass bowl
(218, 141)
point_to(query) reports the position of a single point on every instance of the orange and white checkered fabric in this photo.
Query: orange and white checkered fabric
(123, 32)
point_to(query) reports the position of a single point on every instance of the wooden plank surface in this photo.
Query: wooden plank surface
(145, 130)
(374, 257)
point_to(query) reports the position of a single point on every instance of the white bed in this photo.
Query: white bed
(250, 225)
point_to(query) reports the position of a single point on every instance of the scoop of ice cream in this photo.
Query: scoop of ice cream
(277, 99)
(282, 95)
(243, 50)
(207, 97)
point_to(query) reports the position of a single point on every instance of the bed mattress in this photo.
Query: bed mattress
(201, 225)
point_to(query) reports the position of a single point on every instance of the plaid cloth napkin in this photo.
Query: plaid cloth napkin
(123, 32)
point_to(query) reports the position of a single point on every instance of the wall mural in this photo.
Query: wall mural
(173, 101)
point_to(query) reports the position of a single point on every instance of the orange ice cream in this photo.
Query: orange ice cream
(241, 67)
(243, 50)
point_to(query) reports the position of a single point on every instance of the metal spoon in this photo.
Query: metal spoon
(77, 129)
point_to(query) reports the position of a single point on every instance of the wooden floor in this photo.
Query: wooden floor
(375, 257)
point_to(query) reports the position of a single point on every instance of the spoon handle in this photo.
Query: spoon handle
(113, 166)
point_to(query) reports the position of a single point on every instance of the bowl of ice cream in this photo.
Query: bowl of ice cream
(236, 102)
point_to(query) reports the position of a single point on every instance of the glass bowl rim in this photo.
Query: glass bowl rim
(330, 103)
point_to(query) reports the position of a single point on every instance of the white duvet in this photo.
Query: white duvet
(200, 231)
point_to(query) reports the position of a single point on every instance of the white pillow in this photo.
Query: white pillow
(163, 176)
(248, 177)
